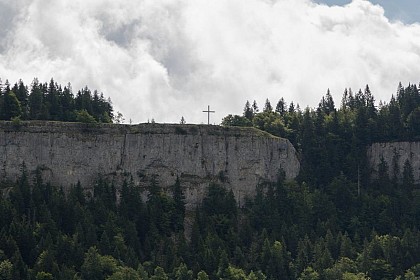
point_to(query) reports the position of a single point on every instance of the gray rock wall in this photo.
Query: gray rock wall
(238, 158)
(401, 151)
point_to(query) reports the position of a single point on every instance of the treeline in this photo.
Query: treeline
(334, 222)
(288, 231)
(51, 101)
(333, 139)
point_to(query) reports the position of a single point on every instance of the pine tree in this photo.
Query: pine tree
(408, 177)
(179, 211)
(255, 107)
(21, 92)
(267, 107)
(413, 123)
(345, 100)
(328, 104)
(281, 107)
(248, 111)
(35, 100)
(292, 108)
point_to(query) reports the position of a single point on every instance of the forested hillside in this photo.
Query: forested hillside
(332, 139)
(51, 101)
(333, 222)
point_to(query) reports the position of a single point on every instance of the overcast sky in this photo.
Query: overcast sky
(164, 59)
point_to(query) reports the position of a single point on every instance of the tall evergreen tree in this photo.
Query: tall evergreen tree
(281, 107)
(179, 211)
(255, 107)
(248, 111)
(267, 106)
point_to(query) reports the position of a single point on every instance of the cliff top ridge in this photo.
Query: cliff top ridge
(142, 128)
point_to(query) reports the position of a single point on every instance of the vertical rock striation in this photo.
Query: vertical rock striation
(238, 158)
(397, 152)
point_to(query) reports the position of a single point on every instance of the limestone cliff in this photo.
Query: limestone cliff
(238, 158)
(399, 151)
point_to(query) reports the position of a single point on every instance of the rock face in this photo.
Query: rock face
(238, 158)
(396, 151)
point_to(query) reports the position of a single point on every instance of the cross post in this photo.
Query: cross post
(208, 114)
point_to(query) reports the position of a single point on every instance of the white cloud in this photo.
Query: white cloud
(171, 58)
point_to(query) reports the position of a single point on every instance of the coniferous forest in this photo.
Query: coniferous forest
(335, 221)
(52, 102)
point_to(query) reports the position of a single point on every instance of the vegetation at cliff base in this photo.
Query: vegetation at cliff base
(287, 231)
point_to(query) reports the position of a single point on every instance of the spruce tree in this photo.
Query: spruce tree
(267, 107)
(281, 107)
(248, 111)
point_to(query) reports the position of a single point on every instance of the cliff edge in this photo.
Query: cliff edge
(238, 158)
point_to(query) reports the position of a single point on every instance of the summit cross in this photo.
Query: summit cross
(208, 114)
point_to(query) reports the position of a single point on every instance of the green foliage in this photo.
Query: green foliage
(334, 222)
(179, 207)
(309, 274)
(124, 273)
(84, 117)
(16, 121)
(44, 276)
(333, 141)
(11, 106)
(248, 111)
(202, 275)
(159, 274)
(269, 121)
(96, 266)
(233, 273)
(355, 276)
(6, 270)
(183, 273)
(49, 101)
(235, 120)
(288, 231)
(413, 123)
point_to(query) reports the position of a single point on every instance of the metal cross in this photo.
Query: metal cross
(208, 113)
